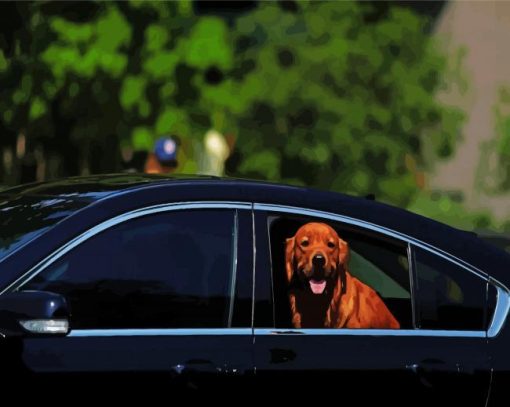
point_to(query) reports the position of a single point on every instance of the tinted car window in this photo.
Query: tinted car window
(448, 296)
(169, 270)
(381, 266)
(22, 218)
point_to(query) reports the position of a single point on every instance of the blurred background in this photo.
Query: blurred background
(409, 101)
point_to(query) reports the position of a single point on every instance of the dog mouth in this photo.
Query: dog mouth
(317, 286)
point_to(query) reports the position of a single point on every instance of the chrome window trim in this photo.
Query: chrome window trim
(501, 311)
(412, 285)
(371, 332)
(57, 254)
(79, 333)
(498, 320)
(85, 333)
(254, 260)
(373, 227)
(503, 303)
(233, 277)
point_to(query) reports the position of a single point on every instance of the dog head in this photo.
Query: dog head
(316, 256)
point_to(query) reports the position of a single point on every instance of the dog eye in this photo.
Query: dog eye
(331, 245)
(304, 243)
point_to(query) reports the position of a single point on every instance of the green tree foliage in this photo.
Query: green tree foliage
(348, 99)
(502, 113)
(338, 95)
(493, 171)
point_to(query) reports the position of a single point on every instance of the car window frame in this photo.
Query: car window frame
(57, 254)
(503, 293)
(414, 251)
(397, 244)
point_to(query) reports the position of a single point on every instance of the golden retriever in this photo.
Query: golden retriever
(323, 293)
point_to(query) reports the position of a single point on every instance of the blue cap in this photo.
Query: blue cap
(165, 149)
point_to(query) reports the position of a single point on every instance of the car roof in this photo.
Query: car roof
(108, 193)
(99, 187)
(94, 187)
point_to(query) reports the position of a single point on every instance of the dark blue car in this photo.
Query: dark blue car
(183, 281)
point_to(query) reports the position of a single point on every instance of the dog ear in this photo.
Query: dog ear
(289, 257)
(343, 259)
(343, 253)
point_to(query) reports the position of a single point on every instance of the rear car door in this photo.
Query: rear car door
(160, 293)
(442, 360)
(451, 358)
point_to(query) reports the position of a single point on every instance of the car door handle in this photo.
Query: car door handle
(419, 372)
(196, 366)
(413, 367)
(231, 370)
(205, 366)
(426, 364)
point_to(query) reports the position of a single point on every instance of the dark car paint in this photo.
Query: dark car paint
(128, 196)
(113, 195)
(449, 369)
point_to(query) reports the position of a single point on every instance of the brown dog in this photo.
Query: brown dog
(322, 291)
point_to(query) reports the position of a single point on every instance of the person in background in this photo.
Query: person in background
(163, 159)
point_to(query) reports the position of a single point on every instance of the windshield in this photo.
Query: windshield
(22, 218)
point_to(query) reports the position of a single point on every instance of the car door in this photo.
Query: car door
(451, 358)
(416, 364)
(162, 293)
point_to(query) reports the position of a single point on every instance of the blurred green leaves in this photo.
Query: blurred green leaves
(112, 30)
(72, 32)
(447, 210)
(142, 138)
(84, 48)
(156, 36)
(332, 95)
(494, 169)
(3, 61)
(208, 44)
(364, 90)
(133, 91)
(172, 120)
(37, 108)
(161, 65)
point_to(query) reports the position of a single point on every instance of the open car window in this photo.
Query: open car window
(319, 282)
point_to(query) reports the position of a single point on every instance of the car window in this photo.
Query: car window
(168, 270)
(23, 218)
(448, 296)
(367, 287)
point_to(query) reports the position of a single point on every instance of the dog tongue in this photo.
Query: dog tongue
(317, 286)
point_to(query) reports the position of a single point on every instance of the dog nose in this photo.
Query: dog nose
(318, 260)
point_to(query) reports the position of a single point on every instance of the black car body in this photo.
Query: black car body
(182, 279)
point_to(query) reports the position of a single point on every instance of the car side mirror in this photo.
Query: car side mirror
(33, 313)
